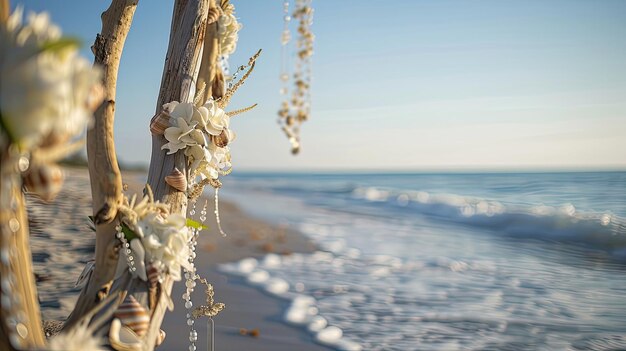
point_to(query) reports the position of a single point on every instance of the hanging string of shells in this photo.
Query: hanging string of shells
(296, 109)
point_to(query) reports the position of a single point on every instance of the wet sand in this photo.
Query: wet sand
(62, 242)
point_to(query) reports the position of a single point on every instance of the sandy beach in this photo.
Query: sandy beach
(64, 223)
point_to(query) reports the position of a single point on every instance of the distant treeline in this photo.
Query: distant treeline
(80, 160)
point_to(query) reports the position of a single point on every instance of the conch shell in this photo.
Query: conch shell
(177, 180)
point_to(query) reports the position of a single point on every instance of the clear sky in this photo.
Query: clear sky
(405, 84)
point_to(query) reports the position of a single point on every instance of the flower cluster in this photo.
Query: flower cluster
(203, 133)
(227, 30)
(153, 236)
(46, 89)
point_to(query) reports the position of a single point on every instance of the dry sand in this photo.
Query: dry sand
(62, 242)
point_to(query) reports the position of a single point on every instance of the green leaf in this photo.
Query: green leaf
(128, 233)
(60, 44)
(193, 224)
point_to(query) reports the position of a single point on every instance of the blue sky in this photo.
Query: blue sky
(406, 84)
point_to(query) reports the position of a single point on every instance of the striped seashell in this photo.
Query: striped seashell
(177, 180)
(213, 16)
(133, 315)
(160, 123)
(153, 275)
(44, 181)
(160, 338)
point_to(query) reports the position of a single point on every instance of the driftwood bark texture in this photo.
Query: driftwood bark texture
(189, 34)
(20, 326)
(182, 64)
(21, 323)
(104, 172)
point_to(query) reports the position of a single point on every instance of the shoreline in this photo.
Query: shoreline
(247, 307)
(58, 263)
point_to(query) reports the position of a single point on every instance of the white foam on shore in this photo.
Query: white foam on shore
(302, 310)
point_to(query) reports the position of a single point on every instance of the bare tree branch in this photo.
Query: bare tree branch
(104, 172)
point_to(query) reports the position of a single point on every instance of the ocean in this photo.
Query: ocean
(450, 261)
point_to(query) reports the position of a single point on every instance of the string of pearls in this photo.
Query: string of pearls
(191, 275)
(126, 250)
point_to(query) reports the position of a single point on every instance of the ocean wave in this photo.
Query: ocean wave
(602, 230)
(302, 310)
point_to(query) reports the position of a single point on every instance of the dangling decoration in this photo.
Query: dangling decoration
(211, 309)
(295, 111)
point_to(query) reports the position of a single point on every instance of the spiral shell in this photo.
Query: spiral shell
(44, 181)
(133, 315)
(177, 180)
(153, 275)
(160, 123)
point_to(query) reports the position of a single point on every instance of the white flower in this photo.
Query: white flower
(227, 30)
(212, 118)
(197, 154)
(167, 242)
(45, 87)
(178, 136)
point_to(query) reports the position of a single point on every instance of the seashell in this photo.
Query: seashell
(177, 180)
(44, 181)
(160, 338)
(123, 338)
(213, 16)
(160, 123)
(221, 140)
(133, 315)
(153, 275)
(217, 88)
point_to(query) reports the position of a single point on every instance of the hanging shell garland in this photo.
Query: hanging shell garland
(177, 180)
(133, 315)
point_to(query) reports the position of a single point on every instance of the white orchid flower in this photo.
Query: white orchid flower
(198, 154)
(214, 118)
(176, 136)
(207, 169)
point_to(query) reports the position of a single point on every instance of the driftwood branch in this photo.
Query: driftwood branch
(178, 84)
(104, 172)
(208, 66)
(20, 325)
(20, 317)
(4, 10)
